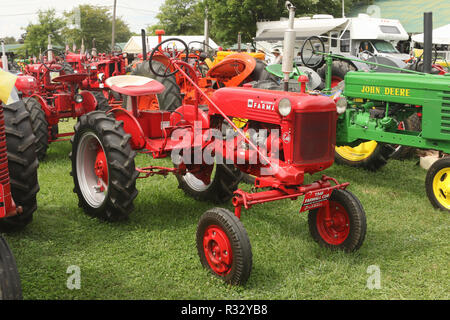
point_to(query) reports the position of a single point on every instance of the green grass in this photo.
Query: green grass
(153, 255)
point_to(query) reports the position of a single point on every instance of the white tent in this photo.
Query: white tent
(440, 36)
(134, 45)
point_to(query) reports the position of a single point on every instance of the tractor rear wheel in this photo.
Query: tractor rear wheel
(22, 164)
(10, 287)
(170, 99)
(338, 70)
(224, 182)
(347, 228)
(369, 155)
(437, 184)
(102, 102)
(224, 247)
(413, 123)
(103, 167)
(40, 126)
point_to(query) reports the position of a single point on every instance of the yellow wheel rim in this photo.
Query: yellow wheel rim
(441, 187)
(359, 153)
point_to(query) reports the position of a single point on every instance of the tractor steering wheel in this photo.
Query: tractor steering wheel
(311, 52)
(366, 55)
(59, 54)
(193, 50)
(172, 56)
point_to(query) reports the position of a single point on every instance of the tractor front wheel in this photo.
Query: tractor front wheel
(103, 167)
(437, 184)
(346, 228)
(224, 247)
(369, 155)
(10, 287)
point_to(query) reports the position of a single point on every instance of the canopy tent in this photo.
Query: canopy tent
(134, 45)
(440, 36)
(304, 28)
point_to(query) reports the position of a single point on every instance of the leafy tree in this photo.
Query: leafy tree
(9, 40)
(180, 17)
(95, 22)
(37, 34)
(229, 17)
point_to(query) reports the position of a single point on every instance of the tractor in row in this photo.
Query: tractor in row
(372, 106)
(52, 92)
(286, 136)
(18, 179)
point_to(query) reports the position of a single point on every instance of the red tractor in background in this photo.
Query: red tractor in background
(18, 180)
(99, 68)
(284, 136)
(52, 93)
(235, 70)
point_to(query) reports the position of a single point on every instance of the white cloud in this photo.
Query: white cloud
(15, 15)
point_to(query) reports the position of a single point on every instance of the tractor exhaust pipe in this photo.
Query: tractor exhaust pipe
(288, 46)
(427, 41)
(144, 45)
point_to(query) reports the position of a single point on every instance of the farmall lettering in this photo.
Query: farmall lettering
(261, 105)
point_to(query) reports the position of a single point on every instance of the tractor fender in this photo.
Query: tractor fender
(89, 102)
(234, 69)
(390, 61)
(131, 126)
(44, 105)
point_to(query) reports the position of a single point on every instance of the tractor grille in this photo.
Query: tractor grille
(445, 113)
(314, 137)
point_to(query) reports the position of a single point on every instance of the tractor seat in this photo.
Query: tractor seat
(135, 86)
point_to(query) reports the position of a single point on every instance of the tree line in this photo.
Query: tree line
(229, 17)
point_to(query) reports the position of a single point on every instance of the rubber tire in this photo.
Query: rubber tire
(170, 99)
(40, 126)
(102, 102)
(239, 240)
(260, 73)
(118, 203)
(339, 69)
(10, 286)
(357, 217)
(221, 190)
(22, 164)
(434, 169)
(413, 123)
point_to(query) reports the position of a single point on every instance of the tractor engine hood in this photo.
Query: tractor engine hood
(262, 105)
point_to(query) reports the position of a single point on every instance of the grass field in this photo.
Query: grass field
(153, 255)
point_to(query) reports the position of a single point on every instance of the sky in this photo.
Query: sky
(16, 14)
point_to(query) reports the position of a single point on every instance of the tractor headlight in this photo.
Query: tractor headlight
(78, 98)
(285, 107)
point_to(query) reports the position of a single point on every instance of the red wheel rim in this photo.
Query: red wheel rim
(337, 230)
(217, 248)
(101, 168)
(335, 81)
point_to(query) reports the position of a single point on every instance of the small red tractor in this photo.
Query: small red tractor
(52, 93)
(18, 179)
(285, 136)
(99, 68)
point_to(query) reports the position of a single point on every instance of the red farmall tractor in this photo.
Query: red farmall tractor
(18, 179)
(285, 136)
(52, 94)
(99, 68)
